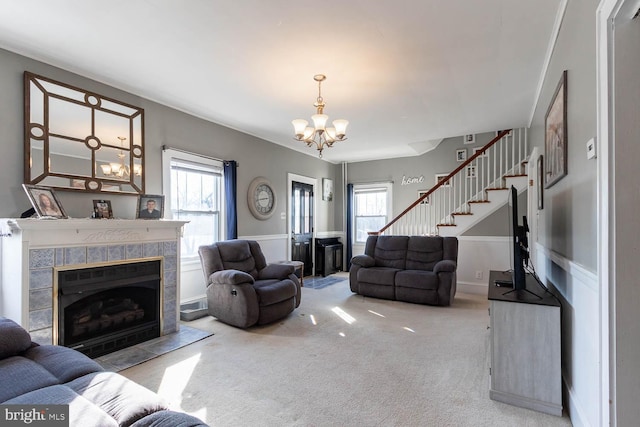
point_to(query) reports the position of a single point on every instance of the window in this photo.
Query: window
(194, 193)
(372, 205)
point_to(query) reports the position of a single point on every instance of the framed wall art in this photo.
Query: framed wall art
(469, 139)
(461, 155)
(440, 177)
(421, 193)
(471, 171)
(44, 201)
(540, 178)
(555, 139)
(327, 189)
(476, 149)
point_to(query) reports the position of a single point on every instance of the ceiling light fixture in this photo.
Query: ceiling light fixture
(319, 134)
(121, 169)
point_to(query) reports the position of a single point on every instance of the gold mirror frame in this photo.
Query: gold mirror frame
(81, 141)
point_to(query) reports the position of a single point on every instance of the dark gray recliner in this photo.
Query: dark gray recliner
(418, 269)
(242, 289)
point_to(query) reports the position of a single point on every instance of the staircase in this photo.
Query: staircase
(470, 193)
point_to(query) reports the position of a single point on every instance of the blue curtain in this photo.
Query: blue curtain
(231, 195)
(349, 224)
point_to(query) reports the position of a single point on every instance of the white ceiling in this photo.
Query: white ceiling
(405, 73)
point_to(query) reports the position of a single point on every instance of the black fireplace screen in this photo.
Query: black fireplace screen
(106, 308)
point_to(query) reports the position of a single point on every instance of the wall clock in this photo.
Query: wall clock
(261, 198)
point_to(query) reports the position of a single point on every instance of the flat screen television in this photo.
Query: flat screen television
(520, 243)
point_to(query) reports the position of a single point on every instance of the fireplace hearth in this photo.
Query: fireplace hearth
(100, 309)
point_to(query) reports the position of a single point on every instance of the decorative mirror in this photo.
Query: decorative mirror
(79, 140)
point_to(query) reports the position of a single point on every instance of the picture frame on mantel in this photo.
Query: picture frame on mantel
(44, 201)
(555, 139)
(102, 209)
(150, 206)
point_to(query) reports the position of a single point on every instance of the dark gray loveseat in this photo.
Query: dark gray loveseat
(32, 374)
(242, 289)
(418, 269)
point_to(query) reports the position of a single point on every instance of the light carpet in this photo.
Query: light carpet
(342, 360)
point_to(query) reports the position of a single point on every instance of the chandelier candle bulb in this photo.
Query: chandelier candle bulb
(320, 135)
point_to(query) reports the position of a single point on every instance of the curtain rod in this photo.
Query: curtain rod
(166, 147)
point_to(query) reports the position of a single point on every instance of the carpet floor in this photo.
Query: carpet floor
(341, 360)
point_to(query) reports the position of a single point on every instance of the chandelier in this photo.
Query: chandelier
(319, 134)
(119, 170)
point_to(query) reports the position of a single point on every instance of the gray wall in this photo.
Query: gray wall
(568, 223)
(567, 226)
(163, 126)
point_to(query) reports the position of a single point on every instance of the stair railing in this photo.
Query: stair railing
(469, 183)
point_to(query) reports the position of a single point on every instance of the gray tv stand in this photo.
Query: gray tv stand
(525, 346)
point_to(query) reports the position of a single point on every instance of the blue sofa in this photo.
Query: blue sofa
(32, 374)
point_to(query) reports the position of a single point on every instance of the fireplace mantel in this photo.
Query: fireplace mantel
(31, 249)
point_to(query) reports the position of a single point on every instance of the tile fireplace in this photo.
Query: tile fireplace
(128, 270)
(102, 308)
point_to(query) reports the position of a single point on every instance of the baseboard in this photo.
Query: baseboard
(472, 288)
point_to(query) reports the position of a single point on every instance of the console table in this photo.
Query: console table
(525, 346)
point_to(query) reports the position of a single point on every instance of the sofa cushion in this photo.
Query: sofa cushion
(417, 279)
(122, 399)
(423, 252)
(23, 375)
(62, 362)
(391, 251)
(81, 411)
(271, 291)
(13, 339)
(378, 275)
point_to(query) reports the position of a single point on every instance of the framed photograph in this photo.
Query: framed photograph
(44, 201)
(471, 171)
(440, 177)
(469, 139)
(540, 186)
(327, 189)
(461, 155)
(477, 149)
(102, 209)
(421, 193)
(150, 206)
(555, 139)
